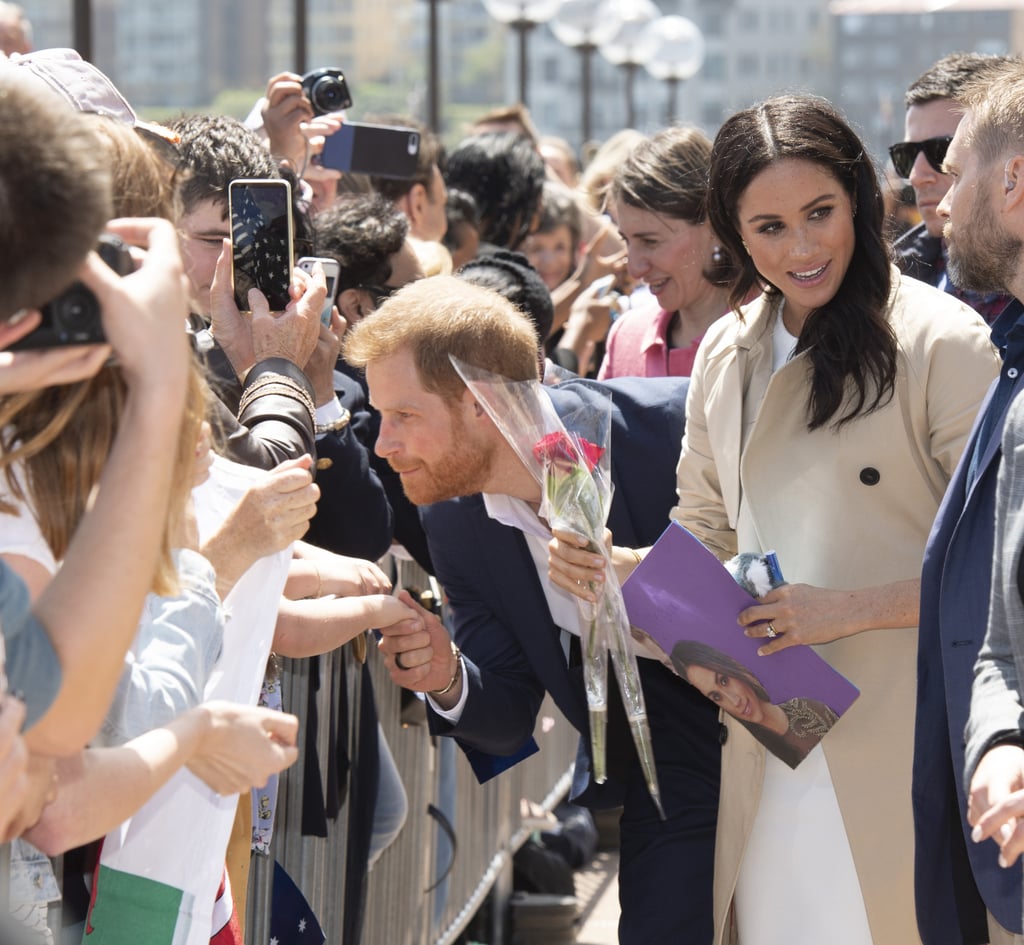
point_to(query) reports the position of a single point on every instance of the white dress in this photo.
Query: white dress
(788, 893)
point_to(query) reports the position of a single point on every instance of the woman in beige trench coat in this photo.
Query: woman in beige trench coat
(823, 423)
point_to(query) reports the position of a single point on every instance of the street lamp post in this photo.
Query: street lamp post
(522, 16)
(433, 68)
(301, 45)
(82, 27)
(580, 25)
(672, 49)
(623, 48)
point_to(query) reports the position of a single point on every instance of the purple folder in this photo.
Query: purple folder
(681, 592)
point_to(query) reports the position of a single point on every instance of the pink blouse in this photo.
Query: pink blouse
(637, 346)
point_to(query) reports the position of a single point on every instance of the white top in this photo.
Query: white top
(781, 896)
(20, 533)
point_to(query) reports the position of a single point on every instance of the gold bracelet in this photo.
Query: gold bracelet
(319, 582)
(335, 425)
(457, 653)
(636, 555)
(281, 385)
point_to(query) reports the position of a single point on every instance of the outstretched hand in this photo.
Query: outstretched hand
(418, 652)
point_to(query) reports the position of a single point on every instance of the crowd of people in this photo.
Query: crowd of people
(209, 485)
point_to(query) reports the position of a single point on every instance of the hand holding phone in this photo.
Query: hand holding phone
(331, 272)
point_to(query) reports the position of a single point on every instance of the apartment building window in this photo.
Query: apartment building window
(712, 25)
(714, 67)
(746, 64)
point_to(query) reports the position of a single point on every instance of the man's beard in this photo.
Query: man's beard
(465, 471)
(982, 256)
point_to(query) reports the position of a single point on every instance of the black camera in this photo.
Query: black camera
(74, 318)
(326, 90)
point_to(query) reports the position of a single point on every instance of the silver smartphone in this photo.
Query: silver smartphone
(262, 241)
(331, 271)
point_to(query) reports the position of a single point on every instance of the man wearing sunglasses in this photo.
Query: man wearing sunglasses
(933, 113)
(962, 894)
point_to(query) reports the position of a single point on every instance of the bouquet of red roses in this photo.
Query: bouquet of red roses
(569, 458)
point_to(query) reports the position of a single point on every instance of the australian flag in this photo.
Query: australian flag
(291, 920)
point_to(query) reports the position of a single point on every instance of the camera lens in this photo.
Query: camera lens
(328, 95)
(76, 316)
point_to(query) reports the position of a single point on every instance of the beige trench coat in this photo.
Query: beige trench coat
(843, 509)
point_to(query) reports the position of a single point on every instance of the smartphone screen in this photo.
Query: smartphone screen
(331, 270)
(381, 150)
(261, 240)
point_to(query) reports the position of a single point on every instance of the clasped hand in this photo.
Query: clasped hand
(996, 801)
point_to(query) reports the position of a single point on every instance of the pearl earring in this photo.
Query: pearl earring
(717, 257)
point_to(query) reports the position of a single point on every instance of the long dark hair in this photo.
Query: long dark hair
(851, 345)
(687, 653)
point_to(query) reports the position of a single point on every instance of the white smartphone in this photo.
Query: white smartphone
(331, 271)
(261, 240)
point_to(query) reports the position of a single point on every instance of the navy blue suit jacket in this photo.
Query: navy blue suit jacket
(955, 879)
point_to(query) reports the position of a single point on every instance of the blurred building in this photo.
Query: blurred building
(862, 54)
(753, 48)
(883, 45)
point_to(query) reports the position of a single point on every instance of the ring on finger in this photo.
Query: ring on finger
(399, 663)
(771, 632)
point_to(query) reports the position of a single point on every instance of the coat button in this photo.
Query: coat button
(723, 734)
(870, 476)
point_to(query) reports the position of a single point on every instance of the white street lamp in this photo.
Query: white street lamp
(622, 49)
(522, 16)
(584, 25)
(672, 48)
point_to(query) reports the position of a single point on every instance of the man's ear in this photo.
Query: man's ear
(471, 406)
(1013, 181)
(350, 304)
(413, 203)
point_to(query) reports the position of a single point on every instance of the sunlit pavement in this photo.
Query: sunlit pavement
(597, 889)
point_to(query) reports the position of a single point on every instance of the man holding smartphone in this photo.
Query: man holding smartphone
(265, 424)
(299, 412)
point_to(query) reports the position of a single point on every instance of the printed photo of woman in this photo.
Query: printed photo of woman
(788, 730)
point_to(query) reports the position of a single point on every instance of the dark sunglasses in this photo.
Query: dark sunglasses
(380, 292)
(905, 153)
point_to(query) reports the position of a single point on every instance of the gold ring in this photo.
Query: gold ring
(771, 632)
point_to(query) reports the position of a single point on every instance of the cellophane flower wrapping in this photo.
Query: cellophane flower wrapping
(570, 459)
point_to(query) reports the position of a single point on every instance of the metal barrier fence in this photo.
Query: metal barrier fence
(412, 896)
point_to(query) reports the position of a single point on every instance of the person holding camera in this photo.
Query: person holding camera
(79, 623)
